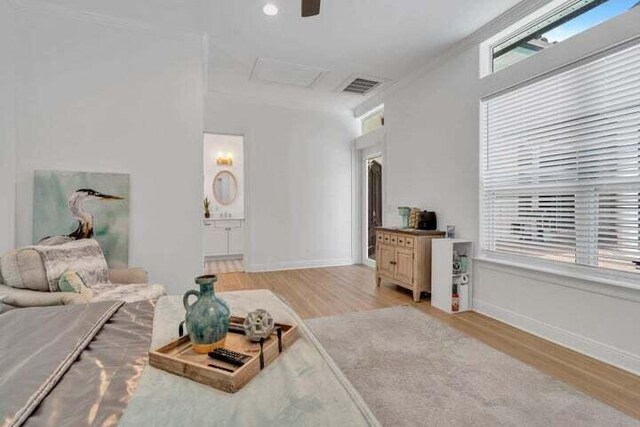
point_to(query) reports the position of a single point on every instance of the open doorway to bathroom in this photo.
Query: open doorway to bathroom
(223, 203)
(372, 202)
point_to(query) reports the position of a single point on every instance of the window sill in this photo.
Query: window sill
(613, 279)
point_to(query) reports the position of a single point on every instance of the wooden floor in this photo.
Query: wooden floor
(338, 290)
(223, 266)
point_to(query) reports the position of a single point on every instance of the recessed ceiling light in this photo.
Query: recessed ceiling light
(270, 9)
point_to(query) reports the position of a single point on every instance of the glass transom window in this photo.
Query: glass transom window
(564, 22)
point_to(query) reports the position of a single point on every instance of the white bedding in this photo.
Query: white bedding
(303, 387)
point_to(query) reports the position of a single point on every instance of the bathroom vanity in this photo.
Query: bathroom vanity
(224, 237)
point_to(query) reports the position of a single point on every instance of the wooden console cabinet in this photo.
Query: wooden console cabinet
(403, 257)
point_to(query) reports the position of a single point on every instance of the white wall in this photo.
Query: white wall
(215, 144)
(7, 127)
(298, 175)
(432, 161)
(98, 96)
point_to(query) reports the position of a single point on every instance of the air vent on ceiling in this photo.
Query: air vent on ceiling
(361, 86)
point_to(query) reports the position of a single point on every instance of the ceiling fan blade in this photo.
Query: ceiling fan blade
(310, 8)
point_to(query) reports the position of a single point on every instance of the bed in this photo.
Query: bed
(87, 365)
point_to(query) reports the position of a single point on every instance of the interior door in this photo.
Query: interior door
(371, 190)
(404, 265)
(374, 203)
(386, 260)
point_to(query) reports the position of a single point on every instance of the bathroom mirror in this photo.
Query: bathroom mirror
(225, 187)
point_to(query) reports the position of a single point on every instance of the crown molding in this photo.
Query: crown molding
(260, 101)
(516, 13)
(40, 6)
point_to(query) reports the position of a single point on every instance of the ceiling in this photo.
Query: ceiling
(187, 16)
(253, 56)
(384, 39)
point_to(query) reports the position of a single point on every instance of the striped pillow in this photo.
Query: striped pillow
(83, 256)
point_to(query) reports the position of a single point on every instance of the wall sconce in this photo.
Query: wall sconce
(224, 159)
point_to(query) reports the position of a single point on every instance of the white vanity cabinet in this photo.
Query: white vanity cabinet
(223, 237)
(215, 240)
(236, 240)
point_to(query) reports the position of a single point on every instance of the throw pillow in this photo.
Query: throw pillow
(83, 256)
(70, 281)
(23, 269)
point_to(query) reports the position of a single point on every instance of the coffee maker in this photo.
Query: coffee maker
(427, 221)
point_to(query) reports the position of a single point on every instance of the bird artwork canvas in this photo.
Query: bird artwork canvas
(77, 205)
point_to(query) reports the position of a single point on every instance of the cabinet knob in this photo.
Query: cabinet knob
(393, 263)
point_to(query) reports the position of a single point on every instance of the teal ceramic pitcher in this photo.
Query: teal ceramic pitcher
(207, 319)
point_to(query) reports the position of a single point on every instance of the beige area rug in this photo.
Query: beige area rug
(413, 370)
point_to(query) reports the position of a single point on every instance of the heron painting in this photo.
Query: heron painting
(78, 205)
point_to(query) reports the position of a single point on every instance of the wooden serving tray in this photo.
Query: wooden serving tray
(179, 358)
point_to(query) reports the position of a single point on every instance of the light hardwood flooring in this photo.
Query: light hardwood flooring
(223, 266)
(338, 290)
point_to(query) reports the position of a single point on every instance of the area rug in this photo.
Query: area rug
(413, 370)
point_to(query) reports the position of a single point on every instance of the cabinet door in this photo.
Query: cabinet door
(385, 260)
(236, 241)
(215, 241)
(404, 265)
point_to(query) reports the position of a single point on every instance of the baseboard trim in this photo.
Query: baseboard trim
(298, 265)
(605, 353)
(222, 257)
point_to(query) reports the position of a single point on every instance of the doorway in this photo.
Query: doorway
(224, 203)
(372, 203)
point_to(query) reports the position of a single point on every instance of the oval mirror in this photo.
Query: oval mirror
(225, 187)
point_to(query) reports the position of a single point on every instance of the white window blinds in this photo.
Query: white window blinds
(561, 166)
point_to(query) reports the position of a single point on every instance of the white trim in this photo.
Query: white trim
(280, 103)
(371, 139)
(610, 355)
(371, 112)
(564, 277)
(375, 143)
(298, 265)
(356, 217)
(246, 173)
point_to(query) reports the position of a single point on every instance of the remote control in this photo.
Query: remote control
(230, 357)
(238, 329)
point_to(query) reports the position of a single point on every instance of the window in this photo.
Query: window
(373, 121)
(561, 166)
(561, 23)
